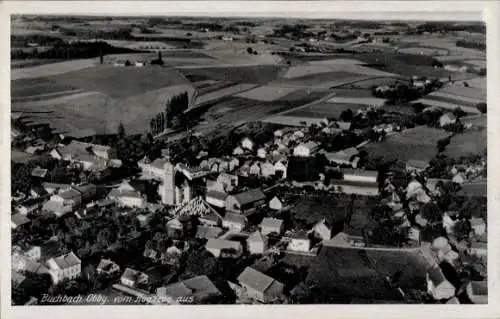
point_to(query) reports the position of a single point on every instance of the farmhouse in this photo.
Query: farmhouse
(216, 198)
(300, 242)
(256, 243)
(358, 175)
(305, 149)
(347, 156)
(478, 291)
(132, 278)
(18, 220)
(108, 267)
(360, 188)
(245, 202)
(275, 203)
(67, 266)
(39, 172)
(235, 222)
(281, 167)
(207, 232)
(322, 230)
(200, 288)
(224, 248)
(271, 225)
(259, 286)
(127, 196)
(29, 206)
(447, 119)
(437, 285)
(247, 144)
(416, 166)
(227, 181)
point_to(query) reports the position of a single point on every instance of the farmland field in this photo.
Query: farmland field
(51, 69)
(266, 93)
(116, 82)
(470, 142)
(419, 143)
(326, 110)
(244, 74)
(357, 100)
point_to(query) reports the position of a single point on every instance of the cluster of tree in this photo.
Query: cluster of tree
(172, 117)
(295, 31)
(58, 172)
(449, 27)
(482, 107)
(73, 50)
(471, 44)
(24, 41)
(123, 33)
(343, 38)
(401, 93)
(250, 50)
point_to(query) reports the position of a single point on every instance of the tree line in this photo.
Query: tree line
(74, 50)
(172, 116)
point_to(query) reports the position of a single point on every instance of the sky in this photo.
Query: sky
(362, 10)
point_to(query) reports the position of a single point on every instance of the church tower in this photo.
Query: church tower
(168, 197)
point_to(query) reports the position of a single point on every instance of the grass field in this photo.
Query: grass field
(468, 143)
(419, 143)
(430, 101)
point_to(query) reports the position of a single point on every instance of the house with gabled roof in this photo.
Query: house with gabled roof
(271, 225)
(256, 243)
(18, 220)
(132, 278)
(259, 286)
(234, 222)
(478, 291)
(67, 266)
(107, 267)
(199, 288)
(322, 230)
(207, 232)
(39, 172)
(437, 285)
(224, 248)
(275, 203)
(245, 202)
(416, 166)
(300, 242)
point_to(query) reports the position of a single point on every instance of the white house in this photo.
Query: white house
(300, 242)
(33, 253)
(127, 196)
(132, 277)
(478, 226)
(262, 153)
(267, 169)
(448, 223)
(282, 167)
(247, 143)
(322, 230)
(447, 118)
(234, 222)
(437, 285)
(256, 243)
(67, 266)
(359, 175)
(238, 151)
(255, 169)
(259, 286)
(107, 267)
(305, 149)
(224, 248)
(275, 203)
(271, 225)
(216, 198)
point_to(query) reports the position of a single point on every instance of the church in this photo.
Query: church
(180, 183)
